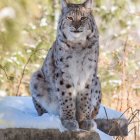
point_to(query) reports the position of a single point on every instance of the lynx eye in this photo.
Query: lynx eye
(83, 18)
(70, 18)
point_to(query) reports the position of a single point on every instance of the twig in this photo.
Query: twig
(124, 71)
(118, 124)
(134, 113)
(135, 134)
(134, 122)
(1, 67)
(106, 113)
(22, 75)
(125, 111)
(139, 121)
(132, 117)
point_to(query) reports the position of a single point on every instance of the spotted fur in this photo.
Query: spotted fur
(67, 83)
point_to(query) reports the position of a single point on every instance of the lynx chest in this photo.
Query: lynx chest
(81, 67)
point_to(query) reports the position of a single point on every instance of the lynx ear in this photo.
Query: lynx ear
(88, 4)
(64, 3)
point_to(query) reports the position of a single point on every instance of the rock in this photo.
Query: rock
(113, 127)
(45, 134)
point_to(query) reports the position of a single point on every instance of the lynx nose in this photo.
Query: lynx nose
(76, 25)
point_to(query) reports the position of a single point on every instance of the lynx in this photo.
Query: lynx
(67, 84)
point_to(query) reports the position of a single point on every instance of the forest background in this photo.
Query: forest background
(28, 29)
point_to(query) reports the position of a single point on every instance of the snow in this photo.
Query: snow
(107, 113)
(104, 136)
(19, 112)
(7, 12)
(43, 22)
(3, 93)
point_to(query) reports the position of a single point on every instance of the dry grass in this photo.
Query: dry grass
(133, 125)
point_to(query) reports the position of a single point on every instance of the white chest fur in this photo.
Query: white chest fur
(80, 68)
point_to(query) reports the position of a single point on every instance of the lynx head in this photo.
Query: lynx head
(76, 21)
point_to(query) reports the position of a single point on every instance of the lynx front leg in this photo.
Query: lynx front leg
(84, 109)
(88, 104)
(66, 96)
(96, 98)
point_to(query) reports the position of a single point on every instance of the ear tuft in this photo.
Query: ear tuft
(88, 4)
(64, 3)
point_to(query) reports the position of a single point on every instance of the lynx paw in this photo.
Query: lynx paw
(71, 125)
(87, 124)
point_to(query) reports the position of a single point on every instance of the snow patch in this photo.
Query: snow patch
(19, 112)
(7, 12)
(104, 136)
(107, 113)
(3, 93)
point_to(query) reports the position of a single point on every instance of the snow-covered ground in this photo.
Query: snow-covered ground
(19, 112)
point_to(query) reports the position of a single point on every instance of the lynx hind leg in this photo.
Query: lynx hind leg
(96, 98)
(38, 89)
(38, 107)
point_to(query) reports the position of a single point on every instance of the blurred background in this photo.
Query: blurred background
(28, 29)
